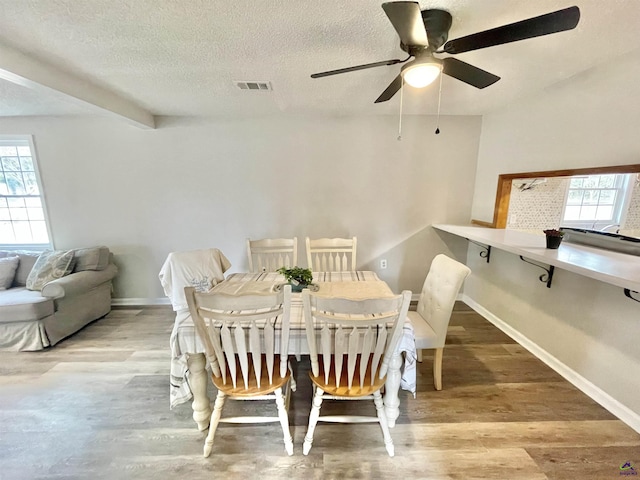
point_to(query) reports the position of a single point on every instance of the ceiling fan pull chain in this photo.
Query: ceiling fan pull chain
(439, 99)
(400, 122)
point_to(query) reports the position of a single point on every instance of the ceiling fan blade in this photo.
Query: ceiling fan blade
(391, 90)
(467, 73)
(406, 18)
(553, 22)
(358, 67)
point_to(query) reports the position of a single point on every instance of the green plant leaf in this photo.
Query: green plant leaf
(299, 274)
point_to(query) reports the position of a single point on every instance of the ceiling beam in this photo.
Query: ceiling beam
(26, 71)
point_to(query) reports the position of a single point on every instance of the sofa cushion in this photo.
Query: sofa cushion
(94, 258)
(19, 304)
(8, 266)
(51, 264)
(27, 260)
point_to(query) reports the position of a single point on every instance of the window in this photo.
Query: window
(595, 200)
(23, 221)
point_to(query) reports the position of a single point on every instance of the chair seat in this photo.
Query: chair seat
(425, 335)
(343, 390)
(253, 390)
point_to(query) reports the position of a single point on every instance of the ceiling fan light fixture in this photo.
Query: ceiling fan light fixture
(419, 74)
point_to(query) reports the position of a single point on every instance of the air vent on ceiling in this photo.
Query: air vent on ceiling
(257, 86)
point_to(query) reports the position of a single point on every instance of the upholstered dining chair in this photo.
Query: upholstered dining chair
(246, 339)
(437, 298)
(350, 344)
(331, 254)
(269, 254)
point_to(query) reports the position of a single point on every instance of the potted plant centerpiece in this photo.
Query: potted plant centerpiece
(299, 278)
(554, 237)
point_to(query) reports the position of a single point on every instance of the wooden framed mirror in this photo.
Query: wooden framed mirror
(505, 184)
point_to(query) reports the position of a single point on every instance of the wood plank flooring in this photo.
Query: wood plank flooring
(96, 406)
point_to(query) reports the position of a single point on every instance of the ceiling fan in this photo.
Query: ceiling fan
(422, 33)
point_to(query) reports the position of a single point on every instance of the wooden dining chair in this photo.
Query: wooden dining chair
(331, 254)
(431, 318)
(246, 338)
(351, 343)
(269, 254)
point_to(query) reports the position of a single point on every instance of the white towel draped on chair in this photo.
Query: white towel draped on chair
(202, 269)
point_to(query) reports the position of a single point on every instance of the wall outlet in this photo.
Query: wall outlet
(383, 263)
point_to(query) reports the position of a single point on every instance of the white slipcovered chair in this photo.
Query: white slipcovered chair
(246, 339)
(351, 343)
(331, 254)
(431, 318)
(269, 254)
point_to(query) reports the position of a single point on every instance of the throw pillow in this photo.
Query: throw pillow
(8, 266)
(94, 258)
(50, 265)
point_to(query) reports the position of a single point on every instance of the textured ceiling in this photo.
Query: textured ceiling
(174, 57)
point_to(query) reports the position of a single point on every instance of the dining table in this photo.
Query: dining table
(189, 375)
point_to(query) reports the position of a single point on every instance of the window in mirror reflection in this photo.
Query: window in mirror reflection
(596, 201)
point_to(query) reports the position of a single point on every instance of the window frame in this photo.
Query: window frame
(21, 141)
(623, 194)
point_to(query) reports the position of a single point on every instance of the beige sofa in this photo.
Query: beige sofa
(33, 320)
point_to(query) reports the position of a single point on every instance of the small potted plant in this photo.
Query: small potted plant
(554, 237)
(298, 277)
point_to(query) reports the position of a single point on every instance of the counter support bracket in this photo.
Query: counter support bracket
(486, 253)
(628, 293)
(545, 277)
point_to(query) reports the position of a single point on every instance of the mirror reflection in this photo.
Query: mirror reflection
(605, 203)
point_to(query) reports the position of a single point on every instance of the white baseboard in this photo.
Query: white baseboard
(624, 413)
(138, 302)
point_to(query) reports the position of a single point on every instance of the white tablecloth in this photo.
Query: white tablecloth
(349, 284)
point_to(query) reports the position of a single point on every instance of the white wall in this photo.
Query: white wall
(590, 327)
(195, 183)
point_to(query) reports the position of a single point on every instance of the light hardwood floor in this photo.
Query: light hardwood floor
(96, 406)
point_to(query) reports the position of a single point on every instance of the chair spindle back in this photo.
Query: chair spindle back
(354, 339)
(269, 254)
(331, 254)
(243, 333)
